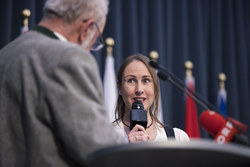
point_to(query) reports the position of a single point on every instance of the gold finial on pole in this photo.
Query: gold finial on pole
(222, 79)
(26, 14)
(154, 55)
(110, 43)
(189, 66)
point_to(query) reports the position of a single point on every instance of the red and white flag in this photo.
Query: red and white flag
(191, 117)
(24, 29)
(25, 14)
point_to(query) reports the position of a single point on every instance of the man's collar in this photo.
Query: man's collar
(45, 31)
(60, 37)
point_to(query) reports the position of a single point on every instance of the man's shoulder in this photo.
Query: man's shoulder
(43, 51)
(55, 48)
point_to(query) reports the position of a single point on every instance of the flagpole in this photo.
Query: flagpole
(110, 43)
(25, 15)
(222, 79)
(189, 66)
(154, 56)
(109, 83)
(191, 116)
(222, 95)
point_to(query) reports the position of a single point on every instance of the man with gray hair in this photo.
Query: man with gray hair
(52, 110)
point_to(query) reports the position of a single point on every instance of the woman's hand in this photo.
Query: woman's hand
(138, 134)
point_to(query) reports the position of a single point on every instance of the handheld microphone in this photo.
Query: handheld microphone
(222, 129)
(138, 115)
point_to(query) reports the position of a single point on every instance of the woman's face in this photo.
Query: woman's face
(137, 84)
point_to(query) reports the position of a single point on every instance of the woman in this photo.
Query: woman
(136, 80)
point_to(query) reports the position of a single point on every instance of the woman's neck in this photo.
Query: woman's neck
(126, 117)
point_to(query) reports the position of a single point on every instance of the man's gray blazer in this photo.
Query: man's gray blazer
(52, 110)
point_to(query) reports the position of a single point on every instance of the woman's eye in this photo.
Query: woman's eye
(146, 80)
(131, 80)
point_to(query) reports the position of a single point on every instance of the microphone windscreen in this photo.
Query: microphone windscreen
(163, 76)
(137, 104)
(212, 122)
(153, 64)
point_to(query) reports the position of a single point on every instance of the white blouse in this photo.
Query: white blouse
(161, 135)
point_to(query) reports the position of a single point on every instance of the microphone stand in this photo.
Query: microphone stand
(165, 75)
(187, 91)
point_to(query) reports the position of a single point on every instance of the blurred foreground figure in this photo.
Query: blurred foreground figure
(52, 110)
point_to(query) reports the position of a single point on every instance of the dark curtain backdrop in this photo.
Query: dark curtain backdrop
(213, 34)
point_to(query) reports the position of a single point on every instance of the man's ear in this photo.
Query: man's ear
(86, 28)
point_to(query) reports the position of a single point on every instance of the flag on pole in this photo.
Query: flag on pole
(160, 114)
(24, 29)
(222, 95)
(191, 117)
(154, 56)
(25, 14)
(109, 83)
(222, 100)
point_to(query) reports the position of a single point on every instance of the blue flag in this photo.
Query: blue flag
(222, 101)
